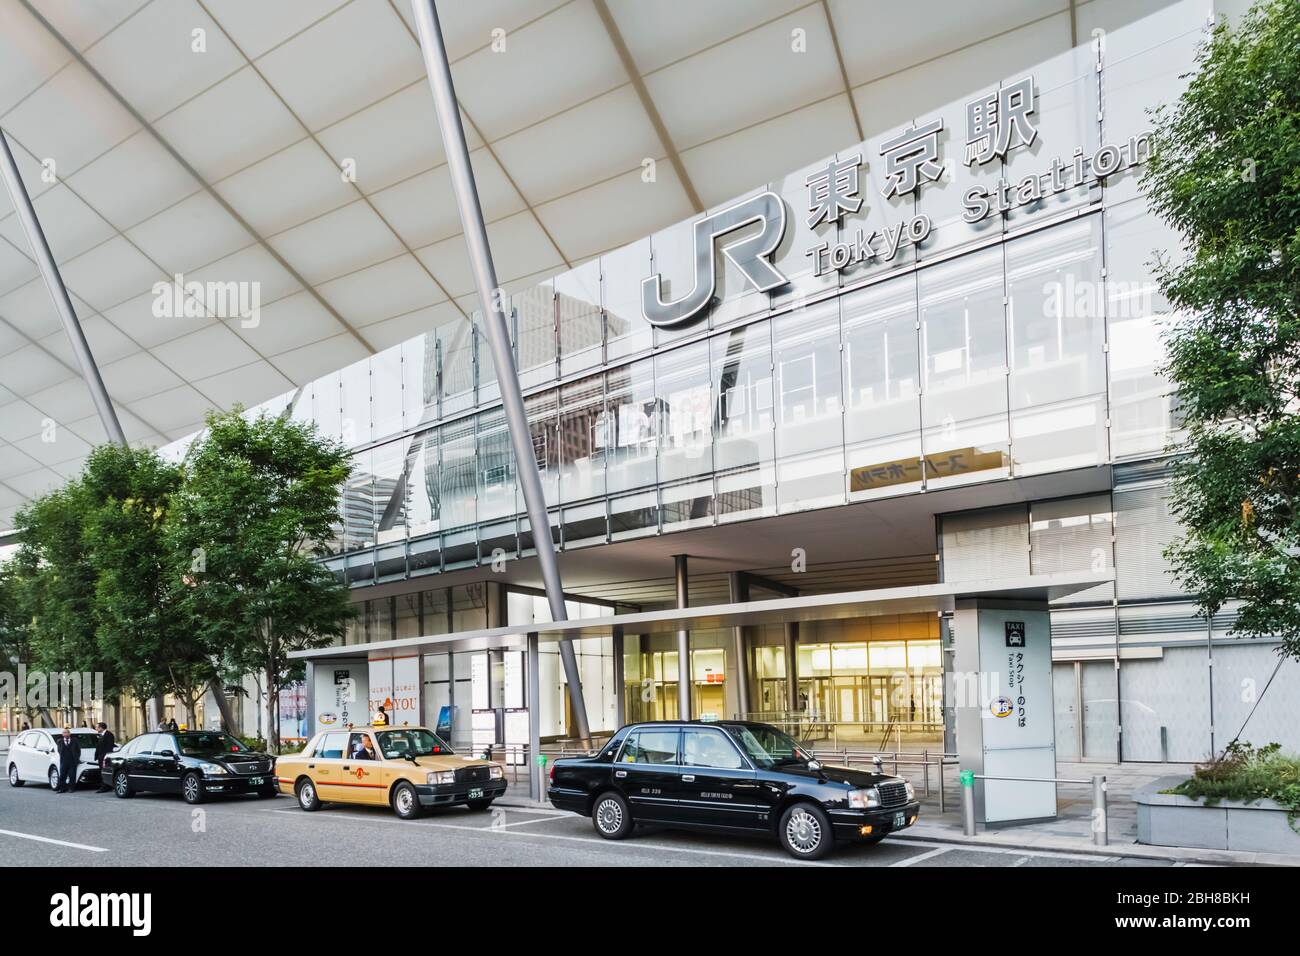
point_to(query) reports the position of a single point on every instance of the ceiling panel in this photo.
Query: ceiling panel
(880, 38)
(163, 56)
(80, 228)
(467, 27)
(15, 267)
(68, 401)
(550, 65)
(53, 446)
(768, 151)
(390, 288)
(110, 273)
(35, 483)
(107, 343)
(256, 26)
(20, 418)
(136, 376)
(667, 30)
(84, 23)
(747, 80)
(30, 310)
(254, 264)
(132, 181)
(246, 385)
(339, 242)
(344, 62)
(328, 355)
(70, 120)
(206, 352)
(173, 408)
(136, 319)
(288, 323)
(230, 126)
(423, 208)
(581, 222)
(287, 188)
(390, 332)
(29, 369)
(192, 233)
(601, 138)
(28, 56)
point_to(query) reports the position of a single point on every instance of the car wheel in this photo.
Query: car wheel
(306, 794)
(121, 785)
(54, 778)
(405, 802)
(192, 788)
(14, 779)
(611, 817)
(479, 805)
(805, 832)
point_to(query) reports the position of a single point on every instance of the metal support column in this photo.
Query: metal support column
(536, 770)
(738, 592)
(59, 293)
(683, 641)
(620, 680)
(792, 666)
(494, 322)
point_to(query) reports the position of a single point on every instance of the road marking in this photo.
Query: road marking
(522, 823)
(41, 839)
(929, 854)
(593, 841)
(1013, 851)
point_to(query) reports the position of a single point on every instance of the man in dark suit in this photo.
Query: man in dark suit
(69, 759)
(103, 747)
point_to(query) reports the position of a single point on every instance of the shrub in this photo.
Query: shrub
(1247, 773)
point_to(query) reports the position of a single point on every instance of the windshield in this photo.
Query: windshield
(415, 741)
(769, 747)
(208, 744)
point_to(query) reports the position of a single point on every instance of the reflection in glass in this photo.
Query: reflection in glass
(631, 427)
(495, 467)
(741, 374)
(685, 412)
(628, 333)
(1057, 384)
(882, 385)
(581, 434)
(964, 404)
(582, 322)
(809, 423)
(534, 330)
(456, 475)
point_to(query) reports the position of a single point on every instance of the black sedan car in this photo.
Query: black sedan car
(194, 763)
(730, 777)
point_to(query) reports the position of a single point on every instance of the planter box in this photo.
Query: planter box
(1168, 819)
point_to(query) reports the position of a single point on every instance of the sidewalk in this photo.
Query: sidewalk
(1069, 832)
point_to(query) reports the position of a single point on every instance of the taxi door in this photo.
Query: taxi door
(365, 778)
(648, 773)
(325, 769)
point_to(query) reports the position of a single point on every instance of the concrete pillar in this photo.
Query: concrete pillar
(792, 666)
(1002, 690)
(620, 680)
(738, 592)
(683, 641)
(533, 692)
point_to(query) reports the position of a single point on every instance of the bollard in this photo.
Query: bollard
(541, 778)
(968, 802)
(1100, 825)
(925, 771)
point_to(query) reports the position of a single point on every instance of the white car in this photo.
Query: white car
(33, 756)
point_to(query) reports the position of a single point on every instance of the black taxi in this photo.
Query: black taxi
(730, 776)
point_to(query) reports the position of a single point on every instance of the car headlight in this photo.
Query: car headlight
(442, 776)
(213, 768)
(911, 790)
(497, 773)
(864, 799)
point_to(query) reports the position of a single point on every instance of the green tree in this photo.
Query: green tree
(1225, 172)
(259, 497)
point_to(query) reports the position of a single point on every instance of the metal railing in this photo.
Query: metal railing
(1100, 828)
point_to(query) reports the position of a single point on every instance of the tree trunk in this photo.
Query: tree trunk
(223, 705)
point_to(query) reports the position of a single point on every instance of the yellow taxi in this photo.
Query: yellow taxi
(406, 768)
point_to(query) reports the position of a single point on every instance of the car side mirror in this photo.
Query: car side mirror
(167, 753)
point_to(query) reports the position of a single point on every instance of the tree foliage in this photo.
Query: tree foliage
(260, 496)
(171, 578)
(1225, 172)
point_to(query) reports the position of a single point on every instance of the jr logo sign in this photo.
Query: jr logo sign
(747, 255)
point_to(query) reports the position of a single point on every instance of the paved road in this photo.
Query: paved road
(84, 828)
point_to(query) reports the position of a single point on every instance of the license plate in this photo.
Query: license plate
(898, 821)
(257, 781)
(475, 793)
